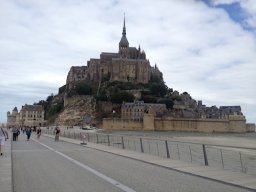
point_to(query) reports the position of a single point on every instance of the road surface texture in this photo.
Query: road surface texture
(46, 165)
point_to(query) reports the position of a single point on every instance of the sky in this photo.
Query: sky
(204, 47)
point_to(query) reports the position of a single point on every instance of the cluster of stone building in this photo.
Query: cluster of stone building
(29, 115)
(190, 108)
(186, 107)
(136, 110)
(130, 64)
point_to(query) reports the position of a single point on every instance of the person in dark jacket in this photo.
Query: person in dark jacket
(28, 132)
(15, 132)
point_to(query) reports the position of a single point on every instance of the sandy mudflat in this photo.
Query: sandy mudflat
(228, 139)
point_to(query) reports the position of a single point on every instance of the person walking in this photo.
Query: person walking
(57, 133)
(15, 132)
(28, 132)
(38, 132)
(3, 137)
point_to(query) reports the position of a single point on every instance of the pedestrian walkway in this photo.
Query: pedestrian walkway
(6, 168)
(234, 178)
(230, 177)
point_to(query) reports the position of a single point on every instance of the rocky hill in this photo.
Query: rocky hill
(88, 103)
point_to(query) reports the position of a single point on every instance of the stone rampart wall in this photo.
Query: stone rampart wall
(199, 125)
(124, 125)
(250, 127)
(151, 123)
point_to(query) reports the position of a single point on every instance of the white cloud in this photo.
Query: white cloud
(248, 9)
(199, 49)
(218, 2)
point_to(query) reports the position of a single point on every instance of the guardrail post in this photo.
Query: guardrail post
(157, 149)
(178, 151)
(97, 138)
(205, 156)
(242, 167)
(167, 150)
(88, 137)
(141, 146)
(222, 158)
(122, 142)
(190, 153)
(108, 141)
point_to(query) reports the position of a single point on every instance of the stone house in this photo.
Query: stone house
(135, 111)
(29, 115)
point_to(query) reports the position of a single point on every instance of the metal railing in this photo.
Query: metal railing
(220, 156)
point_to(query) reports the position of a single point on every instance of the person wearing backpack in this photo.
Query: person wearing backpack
(3, 137)
(38, 132)
(28, 132)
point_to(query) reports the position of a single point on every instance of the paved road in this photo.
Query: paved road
(63, 167)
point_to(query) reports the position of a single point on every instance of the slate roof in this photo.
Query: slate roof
(32, 108)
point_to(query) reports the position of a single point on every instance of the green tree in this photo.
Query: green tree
(54, 109)
(156, 79)
(158, 89)
(176, 98)
(168, 102)
(83, 89)
(62, 89)
(106, 77)
(149, 98)
(49, 98)
(121, 96)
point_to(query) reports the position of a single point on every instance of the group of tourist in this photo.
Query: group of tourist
(28, 130)
(15, 134)
(24, 130)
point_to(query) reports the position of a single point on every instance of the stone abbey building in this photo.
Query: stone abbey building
(130, 64)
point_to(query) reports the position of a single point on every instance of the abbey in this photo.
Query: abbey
(128, 65)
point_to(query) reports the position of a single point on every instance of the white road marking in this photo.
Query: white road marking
(104, 177)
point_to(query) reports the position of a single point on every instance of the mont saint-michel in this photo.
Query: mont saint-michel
(128, 65)
(122, 91)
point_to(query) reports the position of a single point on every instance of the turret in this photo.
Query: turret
(143, 55)
(15, 111)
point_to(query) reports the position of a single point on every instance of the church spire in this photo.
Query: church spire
(124, 28)
(124, 44)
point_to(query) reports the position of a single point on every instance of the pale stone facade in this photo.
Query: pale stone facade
(29, 115)
(128, 65)
(136, 110)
